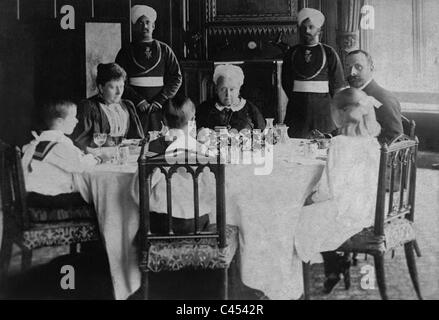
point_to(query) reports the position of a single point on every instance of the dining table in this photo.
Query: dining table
(264, 199)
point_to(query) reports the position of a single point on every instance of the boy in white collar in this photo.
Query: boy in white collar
(179, 113)
(51, 161)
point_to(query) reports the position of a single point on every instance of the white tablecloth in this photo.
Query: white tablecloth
(265, 207)
(108, 188)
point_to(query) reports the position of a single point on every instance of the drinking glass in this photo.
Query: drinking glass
(100, 139)
(116, 141)
(257, 139)
(310, 150)
(124, 153)
(282, 130)
(269, 122)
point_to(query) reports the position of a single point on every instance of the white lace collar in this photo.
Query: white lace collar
(234, 108)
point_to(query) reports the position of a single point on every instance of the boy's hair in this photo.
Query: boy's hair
(108, 72)
(178, 111)
(348, 96)
(354, 106)
(55, 109)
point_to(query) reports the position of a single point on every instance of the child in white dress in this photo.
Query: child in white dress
(344, 202)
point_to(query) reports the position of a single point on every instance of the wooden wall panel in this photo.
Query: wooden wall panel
(36, 10)
(114, 10)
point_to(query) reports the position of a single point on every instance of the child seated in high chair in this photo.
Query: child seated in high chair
(51, 161)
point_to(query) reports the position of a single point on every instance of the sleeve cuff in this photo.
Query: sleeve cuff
(161, 106)
(143, 101)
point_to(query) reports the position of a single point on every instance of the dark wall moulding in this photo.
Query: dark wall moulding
(251, 30)
(251, 10)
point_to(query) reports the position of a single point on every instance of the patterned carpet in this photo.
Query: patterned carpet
(93, 279)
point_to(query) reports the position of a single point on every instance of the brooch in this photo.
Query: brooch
(148, 53)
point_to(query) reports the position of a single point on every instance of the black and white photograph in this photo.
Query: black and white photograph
(213, 150)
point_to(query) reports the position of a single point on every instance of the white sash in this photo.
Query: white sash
(311, 86)
(147, 81)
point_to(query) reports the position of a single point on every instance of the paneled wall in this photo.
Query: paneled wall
(42, 53)
(42, 49)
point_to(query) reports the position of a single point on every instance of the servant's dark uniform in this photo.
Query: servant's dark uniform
(153, 75)
(310, 76)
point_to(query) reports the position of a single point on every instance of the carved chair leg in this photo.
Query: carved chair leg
(380, 275)
(235, 287)
(411, 264)
(26, 259)
(417, 250)
(306, 280)
(145, 285)
(225, 284)
(5, 259)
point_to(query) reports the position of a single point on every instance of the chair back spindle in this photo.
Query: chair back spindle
(396, 184)
(188, 161)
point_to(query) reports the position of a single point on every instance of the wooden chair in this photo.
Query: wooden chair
(409, 126)
(211, 249)
(409, 129)
(394, 215)
(32, 228)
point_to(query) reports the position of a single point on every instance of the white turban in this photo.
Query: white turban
(137, 11)
(228, 71)
(315, 16)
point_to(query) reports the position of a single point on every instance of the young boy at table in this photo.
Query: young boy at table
(178, 112)
(51, 161)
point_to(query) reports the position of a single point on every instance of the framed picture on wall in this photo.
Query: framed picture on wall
(103, 41)
(251, 10)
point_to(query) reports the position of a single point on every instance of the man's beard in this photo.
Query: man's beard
(355, 82)
(140, 35)
(309, 39)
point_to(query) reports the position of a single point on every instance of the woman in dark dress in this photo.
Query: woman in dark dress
(106, 112)
(229, 109)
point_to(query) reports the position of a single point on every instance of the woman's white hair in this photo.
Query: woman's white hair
(228, 71)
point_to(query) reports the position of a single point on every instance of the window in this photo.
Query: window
(405, 48)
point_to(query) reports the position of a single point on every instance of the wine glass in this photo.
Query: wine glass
(282, 132)
(100, 139)
(116, 141)
(269, 122)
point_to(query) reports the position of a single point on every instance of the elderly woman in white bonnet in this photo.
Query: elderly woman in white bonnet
(228, 108)
(344, 202)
